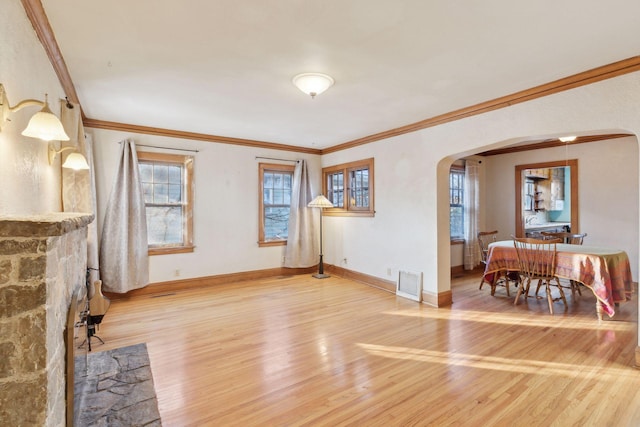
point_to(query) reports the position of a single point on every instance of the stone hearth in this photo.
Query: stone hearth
(117, 390)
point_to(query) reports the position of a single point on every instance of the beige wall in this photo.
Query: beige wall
(225, 206)
(28, 184)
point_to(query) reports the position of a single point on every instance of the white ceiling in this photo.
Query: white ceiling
(224, 67)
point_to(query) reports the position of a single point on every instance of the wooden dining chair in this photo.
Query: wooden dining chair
(501, 278)
(537, 261)
(571, 239)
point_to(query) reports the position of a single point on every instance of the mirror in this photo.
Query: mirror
(546, 197)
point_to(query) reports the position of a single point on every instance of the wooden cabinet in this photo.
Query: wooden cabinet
(536, 173)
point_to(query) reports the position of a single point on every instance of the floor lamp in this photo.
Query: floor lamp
(320, 202)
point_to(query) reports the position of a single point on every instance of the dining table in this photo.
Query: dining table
(605, 271)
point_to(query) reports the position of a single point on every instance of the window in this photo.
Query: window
(350, 188)
(167, 182)
(275, 202)
(456, 202)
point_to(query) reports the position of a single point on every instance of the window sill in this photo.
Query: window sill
(272, 243)
(171, 250)
(457, 241)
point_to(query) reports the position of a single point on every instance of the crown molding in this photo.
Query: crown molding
(101, 124)
(581, 79)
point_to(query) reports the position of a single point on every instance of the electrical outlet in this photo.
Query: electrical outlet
(344, 260)
(283, 259)
(176, 273)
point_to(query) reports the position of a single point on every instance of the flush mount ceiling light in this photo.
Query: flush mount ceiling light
(567, 138)
(43, 125)
(313, 83)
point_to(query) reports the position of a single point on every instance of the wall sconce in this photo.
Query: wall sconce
(75, 161)
(44, 124)
(313, 83)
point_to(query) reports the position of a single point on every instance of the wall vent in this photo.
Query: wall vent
(409, 285)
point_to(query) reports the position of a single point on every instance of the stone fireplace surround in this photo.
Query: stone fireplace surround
(42, 264)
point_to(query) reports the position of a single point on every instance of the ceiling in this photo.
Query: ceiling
(224, 67)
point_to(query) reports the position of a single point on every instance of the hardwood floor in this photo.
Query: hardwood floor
(299, 351)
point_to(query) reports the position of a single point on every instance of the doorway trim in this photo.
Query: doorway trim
(573, 164)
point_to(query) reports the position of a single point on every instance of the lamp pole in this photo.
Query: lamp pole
(320, 202)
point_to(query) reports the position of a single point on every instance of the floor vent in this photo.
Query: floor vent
(409, 285)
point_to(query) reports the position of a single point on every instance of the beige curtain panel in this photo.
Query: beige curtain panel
(302, 244)
(124, 258)
(79, 187)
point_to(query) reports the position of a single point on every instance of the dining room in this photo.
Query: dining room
(607, 199)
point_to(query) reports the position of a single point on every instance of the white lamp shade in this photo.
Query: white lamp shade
(320, 202)
(46, 126)
(313, 83)
(76, 161)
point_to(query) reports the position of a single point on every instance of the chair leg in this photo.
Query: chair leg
(522, 289)
(549, 299)
(564, 300)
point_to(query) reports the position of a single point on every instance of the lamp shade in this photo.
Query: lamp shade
(320, 202)
(46, 126)
(76, 161)
(313, 83)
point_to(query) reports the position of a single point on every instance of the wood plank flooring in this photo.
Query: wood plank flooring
(297, 351)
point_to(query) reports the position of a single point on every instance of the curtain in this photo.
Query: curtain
(302, 244)
(79, 187)
(472, 255)
(124, 258)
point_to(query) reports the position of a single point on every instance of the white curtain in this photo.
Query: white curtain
(302, 244)
(124, 258)
(79, 187)
(472, 255)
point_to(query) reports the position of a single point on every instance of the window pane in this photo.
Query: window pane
(175, 174)
(148, 192)
(360, 188)
(457, 224)
(277, 180)
(276, 222)
(161, 173)
(335, 189)
(164, 225)
(268, 180)
(160, 193)
(287, 181)
(267, 196)
(146, 172)
(456, 202)
(175, 193)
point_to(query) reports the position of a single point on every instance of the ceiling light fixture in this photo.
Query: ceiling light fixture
(43, 125)
(567, 138)
(313, 83)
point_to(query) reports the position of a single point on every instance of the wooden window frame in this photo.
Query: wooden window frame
(456, 169)
(346, 169)
(186, 162)
(262, 168)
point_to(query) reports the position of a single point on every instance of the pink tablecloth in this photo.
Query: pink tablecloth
(605, 271)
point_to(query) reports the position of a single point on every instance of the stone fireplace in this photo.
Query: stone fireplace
(42, 264)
